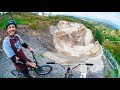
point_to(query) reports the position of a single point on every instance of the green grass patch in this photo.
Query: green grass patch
(108, 74)
(34, 26)
(114, 48)
(116, 72)
(40, 56)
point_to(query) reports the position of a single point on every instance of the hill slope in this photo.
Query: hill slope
(108, 36)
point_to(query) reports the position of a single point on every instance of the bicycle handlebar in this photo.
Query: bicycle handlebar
(33, 56)
(89, 64)
(32, 52)
(50, 63)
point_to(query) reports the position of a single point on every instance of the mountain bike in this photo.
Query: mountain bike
(39, 69)
(69, 73)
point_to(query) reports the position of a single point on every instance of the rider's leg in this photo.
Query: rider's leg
(29, 63)
(23, 68)
(26, 73)
(32, 64)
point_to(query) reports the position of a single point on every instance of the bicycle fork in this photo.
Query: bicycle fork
(83, 71)
(69, 73)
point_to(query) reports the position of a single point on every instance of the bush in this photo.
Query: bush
(116, 72)
(99, 36)
(34, 26)
(108, 74)
(114, 48)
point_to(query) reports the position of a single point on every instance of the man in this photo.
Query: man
(12, 47)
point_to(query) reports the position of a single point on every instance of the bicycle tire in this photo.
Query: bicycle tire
(66, 75)
(41, 70)
(16, 73)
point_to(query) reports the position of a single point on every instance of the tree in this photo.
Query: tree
(43, 13)
(36, 12)
(1, 13)
(46, 13)
(50, 14)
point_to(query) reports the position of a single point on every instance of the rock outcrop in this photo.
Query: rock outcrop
(75, 44)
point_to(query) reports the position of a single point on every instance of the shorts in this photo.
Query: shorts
(21, 67)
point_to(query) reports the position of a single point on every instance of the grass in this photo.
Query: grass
(114, 48)
(40, 56)
(34, 26)
(108, 74)
(116, 72)
(20, 18)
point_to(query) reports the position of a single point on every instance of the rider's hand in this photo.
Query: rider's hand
(32, 64)
(17, 58)
(31, 49)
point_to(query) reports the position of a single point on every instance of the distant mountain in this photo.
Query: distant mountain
(98, 22)
(73, 17)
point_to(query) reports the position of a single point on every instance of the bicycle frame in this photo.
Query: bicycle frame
(34, 58)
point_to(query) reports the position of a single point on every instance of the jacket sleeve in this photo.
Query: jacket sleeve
(8, 49)
(20, 39)
(22, 42)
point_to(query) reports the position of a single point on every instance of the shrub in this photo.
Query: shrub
(99, 36)
(108, 74)
(114, 48)
(34, 26)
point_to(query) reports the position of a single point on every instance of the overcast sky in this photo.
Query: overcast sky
(114, 17)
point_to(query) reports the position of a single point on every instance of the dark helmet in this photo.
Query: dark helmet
(11, 22)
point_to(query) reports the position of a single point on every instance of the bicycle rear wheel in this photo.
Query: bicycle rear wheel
(43, 70)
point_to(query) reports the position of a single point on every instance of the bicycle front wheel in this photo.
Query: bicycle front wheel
(17, 73)
(43, 70)
(68, 75)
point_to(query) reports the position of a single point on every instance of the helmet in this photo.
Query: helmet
(11, 22)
